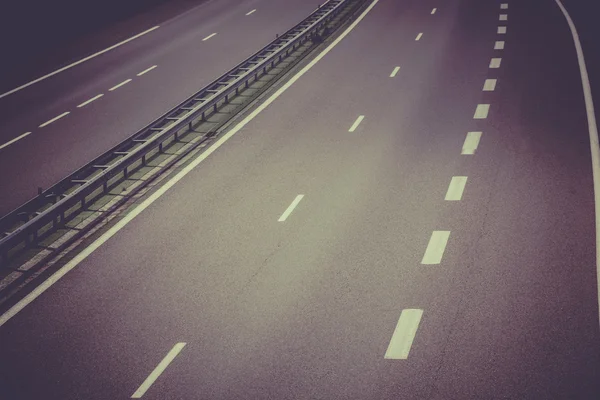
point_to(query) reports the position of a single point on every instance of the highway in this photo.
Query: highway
(412, 218)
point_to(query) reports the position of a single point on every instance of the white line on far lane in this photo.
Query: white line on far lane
(394, 72)
(78, 62)
(147, 70)
(404, 334)
(504, 6)
(250, 12)
(291, 207)
(471, 143)
(419, 36)
(85, 103)
(499, 45)
(502, 30)
(356, 123)
(456, 188)
(503, 17)
(481, 112)
(209, 36)
(489, 85)
(14, 140)
(435, 248)
(495, 62)
(54, 119)
(119, 85)
(160, 368)
(433, 11)
(135, 212)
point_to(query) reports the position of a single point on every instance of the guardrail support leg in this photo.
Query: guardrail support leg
(226, 99)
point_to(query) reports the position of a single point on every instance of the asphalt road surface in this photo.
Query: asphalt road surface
(375, 233)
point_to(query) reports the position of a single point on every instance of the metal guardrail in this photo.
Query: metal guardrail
(51, 209)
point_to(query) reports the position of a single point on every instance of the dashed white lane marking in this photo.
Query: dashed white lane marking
(404, 334)
(481, 112)
(160, 368)
(592, 131)
(291, 207)
(489, 85)
(119, 85)
(54, 119)
(504, 6)
(503, 17)
(499, 45)
(495, 62)
(433, 11)
(394, 72)
(356, 123)
(435, 248)
(250, 12)
(471, 143)
(502, 30)
(456, 188)
(85, 103)
(78, 62)
(209, 36)
(85, 253)
(147, 70)
(14, 140)
(419, 36)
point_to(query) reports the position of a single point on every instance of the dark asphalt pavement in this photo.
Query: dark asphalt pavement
(306, 308)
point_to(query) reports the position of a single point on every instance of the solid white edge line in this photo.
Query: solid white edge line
(471, 143)
(394, 72)
(54, 119)
(456, 188)
(14, 140)
(356, 123)
(209, 36)
(419, 36)
(119, 85)
(85, 103)
(147, 70)
(593, 133)
(404, 334)
(290, 208)
(78, 62)
(160, 368)
(250, 12)
(436, 247)
(170, 183)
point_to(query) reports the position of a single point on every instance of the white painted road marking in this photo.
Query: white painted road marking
(593, 133)
(119, 85)
(499, 45)
(419, 36)
(489, 85)
(503, 17)
(481, 112)
(456, 188)
(504, 6)
(356, 123)
(404, 334)
(78, 62)
(250, 12)
(291, 207)
(85, 103)
(160, 368)
(54, 119)
(209, 36)
(495, 62)
(147, 70)
(436, 247)
(394, 72)
(85, 253)
(14, 140)
(502, 30)
(471, 143)
(433, 11)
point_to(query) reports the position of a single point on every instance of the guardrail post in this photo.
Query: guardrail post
(226, 99)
